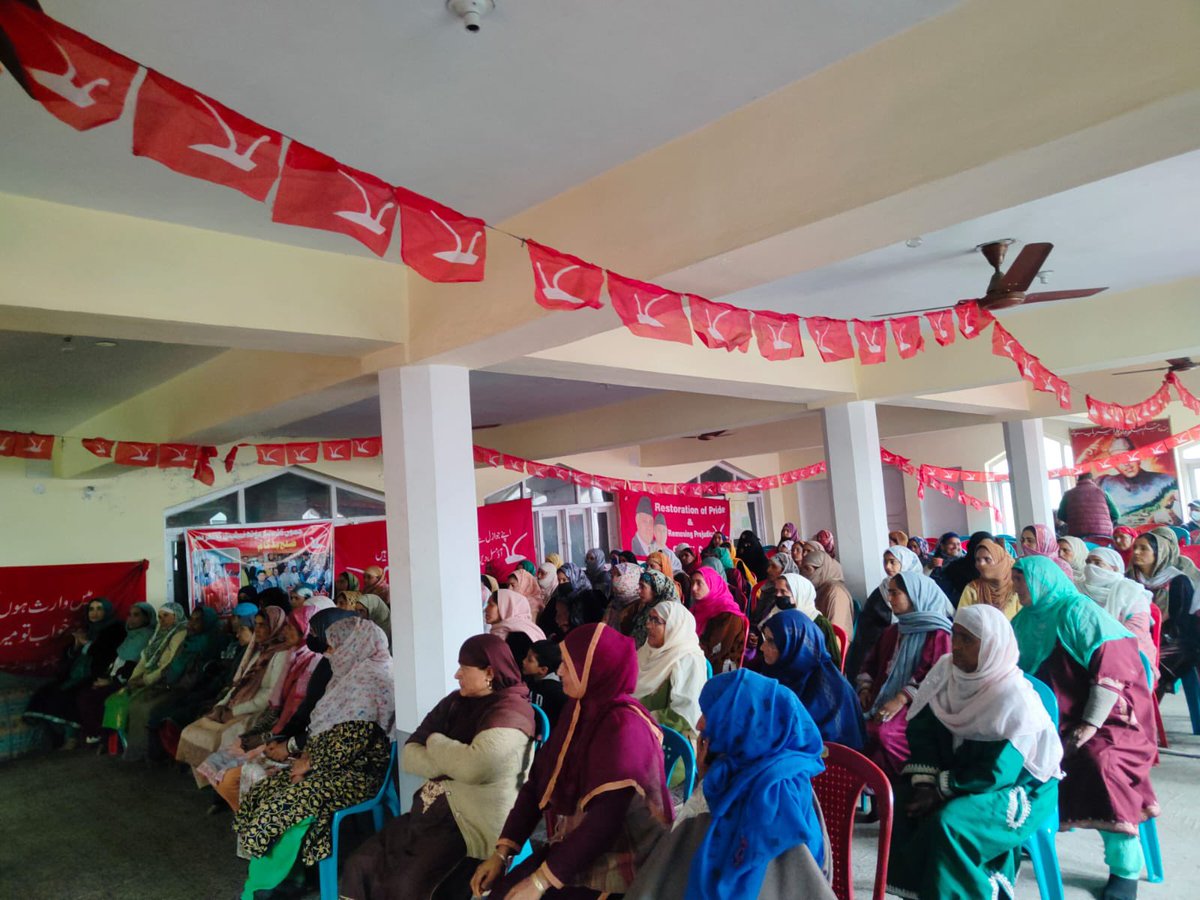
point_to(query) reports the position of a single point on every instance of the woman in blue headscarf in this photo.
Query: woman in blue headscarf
(899, 662)
(795, 655)
(761, 836)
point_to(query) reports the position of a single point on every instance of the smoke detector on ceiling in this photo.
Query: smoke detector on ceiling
(471, 11)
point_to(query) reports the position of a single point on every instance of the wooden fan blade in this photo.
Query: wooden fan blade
(923, 309)
(1140, 371)
(1046, 296)
(1025, 267)
(1181, 362)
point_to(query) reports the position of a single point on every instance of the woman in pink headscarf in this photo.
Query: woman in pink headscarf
(1039, 540)
(507, 612)
(524, 583)
(720, 622)
(824, 537)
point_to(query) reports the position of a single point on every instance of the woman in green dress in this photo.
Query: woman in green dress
(671, 668)
(983, 768)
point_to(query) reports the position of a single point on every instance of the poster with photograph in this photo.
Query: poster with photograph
(1146, 492)
(222, 560)
(650, 521)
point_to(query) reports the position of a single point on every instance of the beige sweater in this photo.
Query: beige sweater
(483, 778)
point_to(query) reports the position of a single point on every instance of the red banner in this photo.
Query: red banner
(221, 560)
(41, 605)
(563, 281)
(906, 331)
(650, 521)
(972, 318)
(832, 337)
(505, 536)
(942, 323)
(871, 335)
(720, 325)
(359, 546)
(778, 335)
(439, 243)
(650, 311)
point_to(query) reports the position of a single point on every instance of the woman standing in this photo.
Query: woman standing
(877, 615)
(1155, 566)
(720, 622)
(983, 769)
(598, 784)
(833, 597)
(671, 669)
(994, 585)
(1105, 714)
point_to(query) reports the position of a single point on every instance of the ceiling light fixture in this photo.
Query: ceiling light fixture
(914, 242)
(471, 11)
(106, 344)
(67, 346)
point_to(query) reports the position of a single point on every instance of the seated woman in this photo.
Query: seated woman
(625, 587)
(373, 607)
(342, 764)
(877, 615)
(1123, 538)
(1074, 552)
(507, 613)
(1039, 540)
(598, 784)
(1105, 714)
(522, 582)
(129, 708)
(795, 655)
(248, 696)
(955, 574)
(1122, 598)
(993, 587)
(983, 765)
(344, 582)
(87, 659)
(139, 627)
(653, 588)
(797, 592)
(722, 626)
(672, 669)
(473, 749)
(756, 831)
(833, 597)
(1156, 567)
(750, 551)
(897, 665)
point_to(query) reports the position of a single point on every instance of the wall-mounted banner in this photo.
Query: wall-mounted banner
(650, 521)
(41, 605)
(505, 536)
(221, 560)
(359, 546)
(1146, 491)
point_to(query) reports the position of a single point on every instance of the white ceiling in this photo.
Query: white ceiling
(548, 94)
(1128, 231)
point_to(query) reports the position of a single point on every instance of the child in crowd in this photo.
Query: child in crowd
(540, 668)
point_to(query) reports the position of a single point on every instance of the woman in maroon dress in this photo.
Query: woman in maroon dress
(1105, 715)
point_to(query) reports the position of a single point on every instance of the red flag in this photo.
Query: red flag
(906, 332)
(302, 452)
(778, 335)
(135, 453)
(231, 456)
(1186, 397)
(1004, 344)
(33, 446)
(365, 448)
(317, 191)
(333, 451)
(195, 135)
(871, 335)
(78, 80)
(8, 443)
(563, 281)
(720, 325)
(271, 454)
(178, 456)
(439, 243)
(203, 472)
(99, 446)
(972, 318)
(832, 337)
(942, 323)
(648, 310)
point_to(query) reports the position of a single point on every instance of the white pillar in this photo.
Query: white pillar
(856, 486)
(1025, 447)
(429, 477)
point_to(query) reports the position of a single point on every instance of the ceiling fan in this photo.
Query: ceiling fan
(1177, 364)
(1007, 289)
(710, 435)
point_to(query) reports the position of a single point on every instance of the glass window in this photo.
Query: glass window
(287, 498)
(602, 531)
(594, 495)
(716, 473)
(549, 527)
(577, 526)
(208, 513)
(351, 504)
(551, 492)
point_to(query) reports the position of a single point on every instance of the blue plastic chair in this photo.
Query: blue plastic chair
(708, 665)
(543, 725)
(388, 798)
(1191, 692)
(675, 748)
(1040, 845)
(1148, 830)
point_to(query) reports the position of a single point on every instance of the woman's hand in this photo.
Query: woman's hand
(526, 890)
(486, 875)
(889, 710)
(1080, 736)
(300, 767)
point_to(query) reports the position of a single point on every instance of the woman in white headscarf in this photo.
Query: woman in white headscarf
(876, 615)
(983, 769)
(1122, 598)
(1074, 552)
(671, 668)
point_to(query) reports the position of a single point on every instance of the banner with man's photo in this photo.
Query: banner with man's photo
(653, 521)
(1146, 492)
(222, 560)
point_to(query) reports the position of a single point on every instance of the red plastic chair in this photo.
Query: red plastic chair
(837, 789)
(844, 642)
(1191, 551)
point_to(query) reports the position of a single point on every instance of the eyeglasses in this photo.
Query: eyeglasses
(654, 620)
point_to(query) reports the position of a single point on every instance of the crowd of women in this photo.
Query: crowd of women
(756, 656)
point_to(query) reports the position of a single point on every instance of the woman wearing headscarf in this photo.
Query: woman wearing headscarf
(955, 574)
(716, 547)
(626, 578)
(824, 538)
(139, 626)
(671, 669)
(598, 784)
(795, 655)
(788, 532)
(1123, 538)
(683, 588)
(920, 546)
(899, 662)
(750, 551)
(757, 832)
(1122, 598)
(570, 574)
(1073, 551)
(129, 708)
(343, 762)
(555, 560)
(1184, 563)
(897, 539)
(949, 548)
(527, 586)
(1156, 566)
(658, 561)
(1039, 540)
(88, 658)
(833, 597)
(994, 585)
(877, 614)
(373, 607)
(653, 588)
(547, 579)
(508, 612)
(473, 750)
(1105, 715)
(796, 592)
(720, 622)
(983, 769)
(597, 569)
(248, 696)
